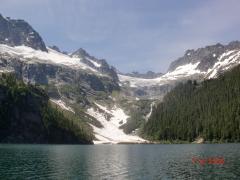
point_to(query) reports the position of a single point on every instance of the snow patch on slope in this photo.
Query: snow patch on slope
(118, 116)
(94, 62)
(184, 70)
(110, 133)
(62, 104)
(225, 61)
(51, 56)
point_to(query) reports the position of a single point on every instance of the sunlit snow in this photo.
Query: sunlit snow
(51, 56)
(181, 71)
(62, 104)
(94, 62)
(110, 133)
(225, 61)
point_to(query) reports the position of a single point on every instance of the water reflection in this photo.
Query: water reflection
(117, 161)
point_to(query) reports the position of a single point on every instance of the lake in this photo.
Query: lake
(118, 161)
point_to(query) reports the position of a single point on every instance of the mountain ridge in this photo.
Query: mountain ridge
(207, 55)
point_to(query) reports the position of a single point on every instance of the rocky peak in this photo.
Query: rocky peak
(99, 64)
(206, 56)
(19, 32)
(81, 53)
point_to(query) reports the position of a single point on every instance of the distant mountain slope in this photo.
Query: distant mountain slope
(210, 110)
(147, 75)
(200, 64)
(26, 116)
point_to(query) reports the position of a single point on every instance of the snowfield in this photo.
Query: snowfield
(110, 133)
(181, 71)
(50, 57)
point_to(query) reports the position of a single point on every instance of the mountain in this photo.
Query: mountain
(210, 59)
(208, 110)
(27, 116)
(77, 82)
(115, 105)
(200, 64)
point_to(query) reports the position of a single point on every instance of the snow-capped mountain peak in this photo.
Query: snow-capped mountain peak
(200, 64)
(51, 57)
(100, 65)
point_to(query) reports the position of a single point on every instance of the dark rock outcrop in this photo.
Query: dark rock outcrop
(19, 32)
(54, 47)
(27, 117)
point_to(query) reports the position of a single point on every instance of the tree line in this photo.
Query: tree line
(210, 109)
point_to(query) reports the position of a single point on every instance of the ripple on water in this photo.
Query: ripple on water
(117, 161)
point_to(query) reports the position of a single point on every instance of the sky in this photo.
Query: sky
(132, 35)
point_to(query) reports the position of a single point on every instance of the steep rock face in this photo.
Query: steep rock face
(19, 32)
(16, 129)
(27, 117)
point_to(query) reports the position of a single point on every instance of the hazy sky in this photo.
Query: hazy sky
(130, 34)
